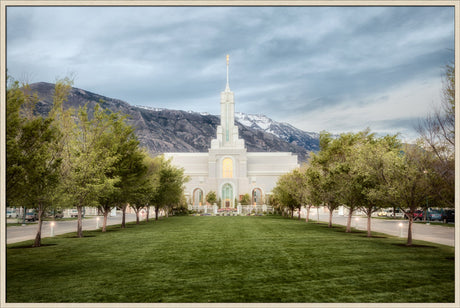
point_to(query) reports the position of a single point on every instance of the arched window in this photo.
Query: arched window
(197, 197)
(257, 196)
(227, 168)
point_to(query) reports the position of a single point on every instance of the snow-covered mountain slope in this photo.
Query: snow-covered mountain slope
(285, 131)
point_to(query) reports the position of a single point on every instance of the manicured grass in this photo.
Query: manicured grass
(229, 259)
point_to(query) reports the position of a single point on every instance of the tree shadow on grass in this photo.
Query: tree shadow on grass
(414, 245)
(84, 236)
(373, 236)
(30, 246)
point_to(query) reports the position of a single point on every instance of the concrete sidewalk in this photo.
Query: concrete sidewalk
(396, 227)
(23, 233)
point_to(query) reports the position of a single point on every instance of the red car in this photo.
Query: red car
(418, 215)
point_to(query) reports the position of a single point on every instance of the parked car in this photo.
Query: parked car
(434, 215)
(382, 213)
(74, 213)
(58, 214)
(448, 215)
(11, 214)
(31, 215)
(418, 215)
(396, 214)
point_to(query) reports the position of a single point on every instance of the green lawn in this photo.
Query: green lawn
(229, 259)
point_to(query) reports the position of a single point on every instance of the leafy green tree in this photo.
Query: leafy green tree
(211, 197)
(375, 163)
(284, 193)
(409, 183)
(89, 160)
(246, 199)
(325, 163)
(351, 180)
(128, 167)
(166, 184)
(33, 168)
(314, 182)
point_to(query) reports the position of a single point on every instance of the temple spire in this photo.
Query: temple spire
(227, 88)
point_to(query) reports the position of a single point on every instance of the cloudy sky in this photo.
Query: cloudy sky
(338, 69)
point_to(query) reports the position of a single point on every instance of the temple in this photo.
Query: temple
(227, 168)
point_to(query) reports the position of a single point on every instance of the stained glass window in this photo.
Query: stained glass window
(227, 168)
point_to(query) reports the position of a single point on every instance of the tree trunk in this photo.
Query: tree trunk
(369, 220)
(350, 214)
(80, 222)
(330, 218)
(148, 211)
(292, 213)
(299, 212)
(137, 216)
(409, 232)
(156, 212)
(104, 223)
(123, 216)
(308, 214)
(38, 236)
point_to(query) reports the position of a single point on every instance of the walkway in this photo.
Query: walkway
(23, 233)
(397, 227)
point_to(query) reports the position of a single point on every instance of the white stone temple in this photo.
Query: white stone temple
(227, 168)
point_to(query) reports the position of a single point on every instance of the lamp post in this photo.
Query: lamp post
(52, 229)
(97, 222)
(400, 229)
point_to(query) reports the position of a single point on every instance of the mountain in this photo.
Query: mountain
(163, 130)
(285, 131)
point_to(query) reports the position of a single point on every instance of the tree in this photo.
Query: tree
(301, 190)
(246, 199)
(375, 162)
(167, 185)
(33, 168)
(284, 193)
(410, 183)
(211, 197)
(313, 182)
(437, 133)
(128, 167)
(351, 180)
(326, 169)
(89, 161)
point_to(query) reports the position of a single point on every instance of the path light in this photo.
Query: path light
(400, 229)
(52, 228)
(97, 222)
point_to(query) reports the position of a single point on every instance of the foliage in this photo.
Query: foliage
(211, 197)
(246, 199)
(33, 167)
(166, 184)
(284, 193)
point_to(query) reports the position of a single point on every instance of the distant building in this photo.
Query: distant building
(228, 169)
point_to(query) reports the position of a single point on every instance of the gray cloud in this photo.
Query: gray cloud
(290, 63)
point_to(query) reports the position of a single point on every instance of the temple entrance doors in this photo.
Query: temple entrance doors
(227, 195)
